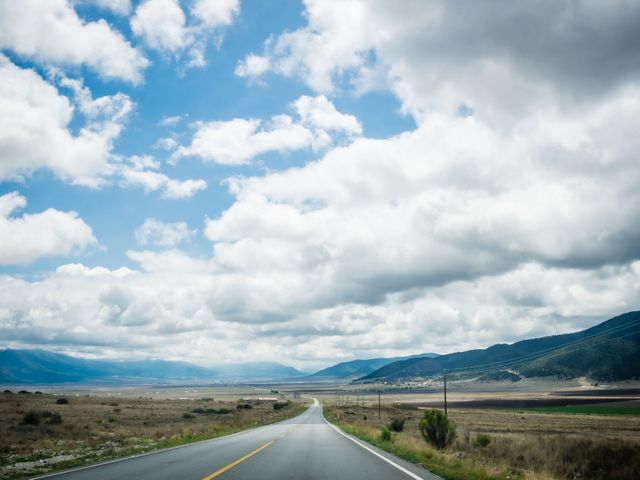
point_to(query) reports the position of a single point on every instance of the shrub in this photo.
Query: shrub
(8, 391)
(198, 410)
(188, 416)
(280, 405)
(385, 435)
(23, 392)
(396, 425)
(31, 418)
(37, 393)
(244, 406)
(55, 419)
(437, 429)
(113, 404)
(223, 411)
(45, 413)
(481, 440)
(62, 401)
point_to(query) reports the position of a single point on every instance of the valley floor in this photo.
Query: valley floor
(41, 432)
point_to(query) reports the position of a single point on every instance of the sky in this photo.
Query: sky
(221, 181)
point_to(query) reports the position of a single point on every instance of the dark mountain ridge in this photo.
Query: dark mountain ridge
(359, 367)
(42, 367)
(607, 351)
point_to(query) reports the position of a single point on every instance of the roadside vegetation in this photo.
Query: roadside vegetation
(45, 433)
(501, 444)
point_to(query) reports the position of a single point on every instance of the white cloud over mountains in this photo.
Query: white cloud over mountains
(35, 135)
(517, 219)
(51, 32)
(31, 236)
(163, 234)
(163, 25)
(239, 141)
(142, 171)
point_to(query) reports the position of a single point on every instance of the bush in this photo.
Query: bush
(23, 392)
(437, 429)
(244, 406)
(45, 413)
(280, 405)
(113, 404)
(188, 416)
(198, 410)
(8, 391)
(481, 440)
(55, 419)
(31, 418)
(385, 435)
(62, 401)
(397, 425)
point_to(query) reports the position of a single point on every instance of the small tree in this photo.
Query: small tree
(385, 435)
(481, 440)
(31, 418)
(437, 429)
(396, 425)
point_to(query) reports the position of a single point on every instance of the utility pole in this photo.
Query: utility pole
(378, 404)
(445, 392)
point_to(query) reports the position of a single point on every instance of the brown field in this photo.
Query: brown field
(93, 428)
(522, 445)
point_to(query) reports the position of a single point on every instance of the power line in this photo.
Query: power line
(592, 341)
(540, 353)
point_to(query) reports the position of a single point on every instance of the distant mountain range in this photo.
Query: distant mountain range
(42, 367)
(358, 368)
(607, 351)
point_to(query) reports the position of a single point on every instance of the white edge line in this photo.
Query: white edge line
(138, 455)
(391, 462)
(153, 452)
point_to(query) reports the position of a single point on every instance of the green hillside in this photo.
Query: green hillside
(607, 351)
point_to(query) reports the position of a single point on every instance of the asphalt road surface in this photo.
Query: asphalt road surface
(304, 447)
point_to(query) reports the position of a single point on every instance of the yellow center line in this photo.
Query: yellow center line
(240, 460)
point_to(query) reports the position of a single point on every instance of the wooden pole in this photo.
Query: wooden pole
(445, 392)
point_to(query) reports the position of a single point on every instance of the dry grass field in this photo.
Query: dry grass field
(516, 444)
(40, 432)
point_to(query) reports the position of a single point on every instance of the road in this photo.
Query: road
(304, 447)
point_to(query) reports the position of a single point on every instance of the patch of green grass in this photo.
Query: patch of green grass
(150, 445)
(441, 465)
(586, 410)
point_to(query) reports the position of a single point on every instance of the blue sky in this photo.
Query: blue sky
(213, 92)
(310, 182)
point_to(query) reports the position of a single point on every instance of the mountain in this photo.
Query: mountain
(607, 351)
(42, 367)
(257, 371)
(359, 368)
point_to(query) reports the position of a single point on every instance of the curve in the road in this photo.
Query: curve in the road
(304, 447)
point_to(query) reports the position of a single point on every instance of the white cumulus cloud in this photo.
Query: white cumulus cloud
(35, 133)
(142, 171)
(155, 232)
(29, 237)
(239, 141)
(51, 32)
(161, 24)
